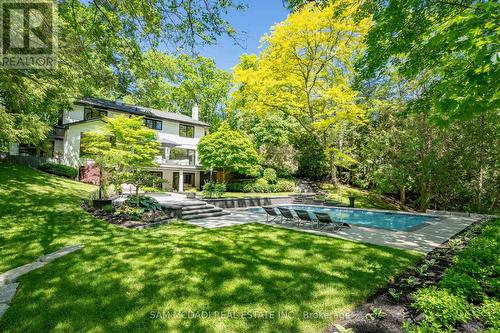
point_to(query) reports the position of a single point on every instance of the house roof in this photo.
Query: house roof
(138, 110)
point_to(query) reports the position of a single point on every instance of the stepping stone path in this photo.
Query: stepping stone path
(8, 284)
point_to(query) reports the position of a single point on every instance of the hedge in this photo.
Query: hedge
(59, 170)
(261, 185)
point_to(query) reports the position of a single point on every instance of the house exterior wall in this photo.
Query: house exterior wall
(68, 150)
(14, 149)
(71, 145)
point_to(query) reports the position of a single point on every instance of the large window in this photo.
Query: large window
(182, 154)
(186, 130)
(91, 113)
(153, 124)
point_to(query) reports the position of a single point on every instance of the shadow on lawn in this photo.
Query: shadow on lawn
(122, 276)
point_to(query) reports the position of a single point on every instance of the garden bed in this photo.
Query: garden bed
(390, 308)
(146, 219)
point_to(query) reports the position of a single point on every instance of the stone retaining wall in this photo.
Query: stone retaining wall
(248, 202)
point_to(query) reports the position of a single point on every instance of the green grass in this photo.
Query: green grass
(122, 276)
(364, 199)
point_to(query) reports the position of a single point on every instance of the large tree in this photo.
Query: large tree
(449, 47)
(229, 150)
(306, 71)
(99, 42)
(176, 83)
(122, 148)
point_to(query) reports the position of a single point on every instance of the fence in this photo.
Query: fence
(32, 161)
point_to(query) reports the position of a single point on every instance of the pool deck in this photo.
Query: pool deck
(425, 239)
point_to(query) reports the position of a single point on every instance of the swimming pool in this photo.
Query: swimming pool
(368, 218)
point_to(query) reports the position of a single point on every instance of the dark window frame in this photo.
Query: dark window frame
(188, 153)
(183, 130)
(153, 124)
(93, 113)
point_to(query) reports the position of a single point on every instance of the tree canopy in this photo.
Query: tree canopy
(306, 71)
(229, 150)
(99, 43)
(176, 83)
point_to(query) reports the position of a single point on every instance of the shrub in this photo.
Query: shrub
(151, 189)
(147, 203)
(462, 284)
(441, 307)
(108, 209)
(425, 327)
(285, 185)
(59, 170)
(213, 189)
(489, 313)
(241, 186)
(261, 186)
(270, 175)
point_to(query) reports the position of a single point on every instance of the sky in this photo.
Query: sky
(254, 22)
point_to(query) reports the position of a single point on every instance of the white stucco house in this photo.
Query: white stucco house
(178, 135)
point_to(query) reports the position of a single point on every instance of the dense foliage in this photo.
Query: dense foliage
(262, 185)
(100, 43)
(468, 290)
(306, 71)
(229, 150)
(427, 130)
(146, 203)
(122, 148)
(177, 83)
(60, 170)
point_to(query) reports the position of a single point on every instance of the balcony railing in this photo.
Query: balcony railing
(164, 161)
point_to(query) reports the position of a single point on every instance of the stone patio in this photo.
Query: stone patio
(425, 239)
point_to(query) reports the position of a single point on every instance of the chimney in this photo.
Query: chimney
(195, 112)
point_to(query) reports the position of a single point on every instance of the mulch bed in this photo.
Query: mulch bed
(147, 219)
(398, 311)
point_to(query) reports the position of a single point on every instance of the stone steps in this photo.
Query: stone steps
(197, 207)
(204, 215)
(201, 211)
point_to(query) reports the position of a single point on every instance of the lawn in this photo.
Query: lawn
(364, 199)
(147, 280)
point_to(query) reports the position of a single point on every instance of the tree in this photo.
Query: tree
(448, 47)
(229, 150)
(176, 83)
(122, 147)
(306, 71)
(99, 42)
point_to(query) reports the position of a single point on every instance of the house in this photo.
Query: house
(178, 135)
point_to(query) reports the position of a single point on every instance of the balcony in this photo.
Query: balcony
(164, 161)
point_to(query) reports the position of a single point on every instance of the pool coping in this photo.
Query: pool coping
(423, 240)
(385, 211)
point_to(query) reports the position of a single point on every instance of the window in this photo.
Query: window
(27, 150)
(186, 131)
(91, 113)
(182, 154)
(153, 124)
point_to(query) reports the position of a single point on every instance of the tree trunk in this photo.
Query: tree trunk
(402, 195)
(100, 183)
(424, 196)
(333, 171)
(137, 194)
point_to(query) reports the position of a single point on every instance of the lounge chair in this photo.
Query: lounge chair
(287, 215)
(326, 221)
(271, 212)
(304, 217)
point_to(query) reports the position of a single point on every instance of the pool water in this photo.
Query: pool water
(367, 218)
